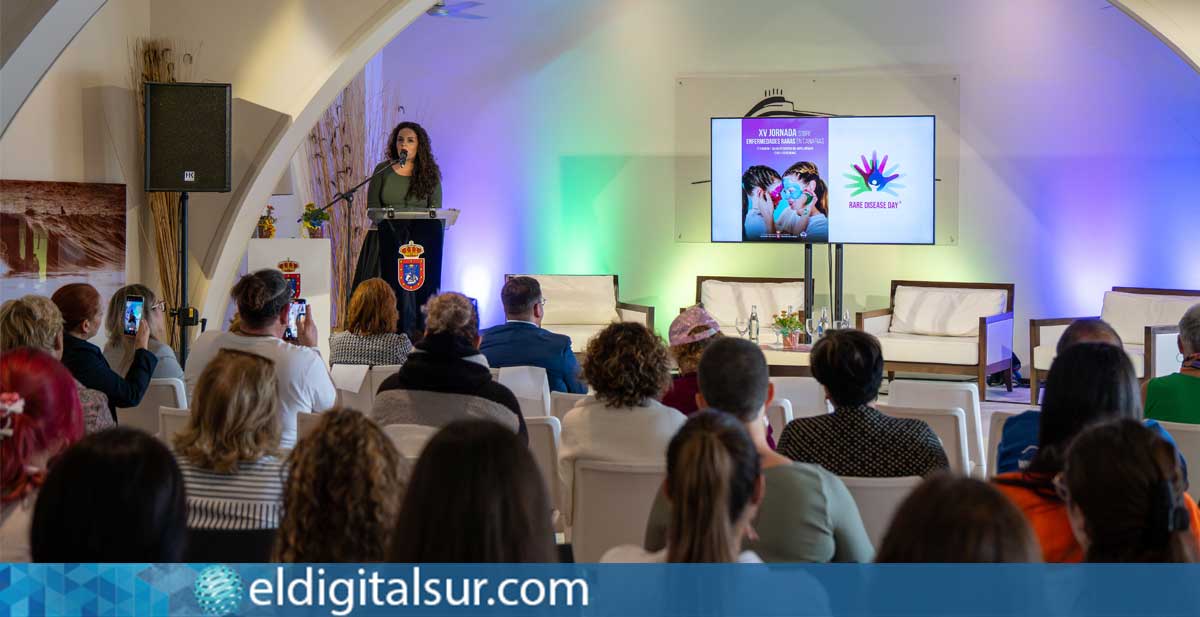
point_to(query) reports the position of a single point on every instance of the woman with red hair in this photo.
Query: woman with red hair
(40, 417)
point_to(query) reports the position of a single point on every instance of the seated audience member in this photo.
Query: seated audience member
(79, 304)
(343, 493)
(446, 378)
(370, 336)
(116, 496)
(1089, 383)
(475, 496)
(690, 334)
(522, 341)
(715, 486)
(807, 513)
(623, 422)
(119, 348)
(951, 519)
(303, 382)
(1176, 397)
(229, 452)
(39, 418)
(34, 321)
(856, 439)
(1126, 498)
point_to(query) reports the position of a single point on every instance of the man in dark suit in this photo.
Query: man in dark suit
(521, 341)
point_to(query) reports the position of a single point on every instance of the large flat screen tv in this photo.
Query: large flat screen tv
(844, 180)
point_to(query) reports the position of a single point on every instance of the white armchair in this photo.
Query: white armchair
(580, 305)
(728, 298)
(945, 328)
(1146, 319)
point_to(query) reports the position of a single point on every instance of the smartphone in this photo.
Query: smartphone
(299, 307)
(133, 313)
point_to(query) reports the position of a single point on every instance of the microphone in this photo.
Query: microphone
(403, 158)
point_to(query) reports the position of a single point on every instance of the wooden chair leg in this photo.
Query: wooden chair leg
(982, 381)
(891, 376)
(1034, 386)
(1008, 379)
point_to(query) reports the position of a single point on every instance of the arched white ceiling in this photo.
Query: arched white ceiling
(1175, 22)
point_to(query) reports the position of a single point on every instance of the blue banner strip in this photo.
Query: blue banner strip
(598, 590)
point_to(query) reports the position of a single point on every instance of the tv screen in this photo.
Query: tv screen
(847, 180)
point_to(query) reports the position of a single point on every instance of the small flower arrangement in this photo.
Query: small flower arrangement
(789, 325)
(314, 220)
(266, 223)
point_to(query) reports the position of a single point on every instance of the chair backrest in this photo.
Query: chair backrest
(946, 395)
(168, 392)
(362, 399)
(562, 402)
(612, 502)
(171, 420)
(950, 425)
(805, 393)
(779, 413)
(1187, 442)
(306, 422)
(878, 499)
(995, 431)
(544, 439)
(530, 386)
(727, 298)
(577, 299)
(1130, 309)
(229, 545)
(410, 439)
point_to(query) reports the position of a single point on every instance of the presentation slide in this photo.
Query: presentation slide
(850, 180)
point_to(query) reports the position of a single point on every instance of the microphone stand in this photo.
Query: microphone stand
(348, 196)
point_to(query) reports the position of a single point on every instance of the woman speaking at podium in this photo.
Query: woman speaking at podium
(405, 252)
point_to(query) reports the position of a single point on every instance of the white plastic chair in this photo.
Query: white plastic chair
(612, 502)
(530, 386)
(305, 423)
(1187, 442)
(806, 395)
(495, 373)
(950, 425)
(410, 440)
(946, 395)
(168, 392)
(562, 402)
(779, 413)
(362, 398)
(878, 499)
(171, 420)
(995, 431)
(544, 440)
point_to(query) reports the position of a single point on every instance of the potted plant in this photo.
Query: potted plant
(789, 326)
(314, 220)
(266, 224)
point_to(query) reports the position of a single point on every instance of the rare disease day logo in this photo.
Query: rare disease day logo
(412, 267)
(874, 176)
(218, 591)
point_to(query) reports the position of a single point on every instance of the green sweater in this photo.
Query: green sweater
(390, 190)
(1174, 398)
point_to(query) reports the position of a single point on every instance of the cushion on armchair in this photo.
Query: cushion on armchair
(1130, 313)
(925, 349)
(578, 299)
(943, 311)
(726, 301)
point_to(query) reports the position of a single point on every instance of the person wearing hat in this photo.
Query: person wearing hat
(690, 334)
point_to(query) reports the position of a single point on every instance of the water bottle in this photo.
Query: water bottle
(754, 323)
(823, 324)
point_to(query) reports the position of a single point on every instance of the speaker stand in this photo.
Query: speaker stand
(185, 315)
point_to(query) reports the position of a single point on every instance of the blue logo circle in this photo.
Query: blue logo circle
(218, 590)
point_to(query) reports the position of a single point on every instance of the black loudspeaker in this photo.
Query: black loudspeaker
(188, 137)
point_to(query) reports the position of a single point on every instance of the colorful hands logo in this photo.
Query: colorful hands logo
(873, 176)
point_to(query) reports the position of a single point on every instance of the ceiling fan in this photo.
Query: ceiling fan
(458, 10)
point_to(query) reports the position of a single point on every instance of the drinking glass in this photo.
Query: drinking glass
(810, 326)
(742, 325)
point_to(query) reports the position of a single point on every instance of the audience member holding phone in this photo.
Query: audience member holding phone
(264, 306)
(131, 306)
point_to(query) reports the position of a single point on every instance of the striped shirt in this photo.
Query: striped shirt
(250, 498)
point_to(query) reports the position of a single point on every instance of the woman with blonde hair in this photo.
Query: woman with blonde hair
(370, 336)
(343, 493)
(35, 322)
(229, 452)
(119, 348)
(446, 378)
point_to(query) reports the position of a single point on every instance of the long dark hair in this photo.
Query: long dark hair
(116, 496)
(1126, 482)
(1088, 384)
(712, 470)
(475, 496)
(756, 177)
(951, 519)
(426, 173)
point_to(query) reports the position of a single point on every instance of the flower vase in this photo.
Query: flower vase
(791, 339)
(316, 232)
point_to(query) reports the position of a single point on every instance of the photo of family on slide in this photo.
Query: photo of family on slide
(792, 207)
